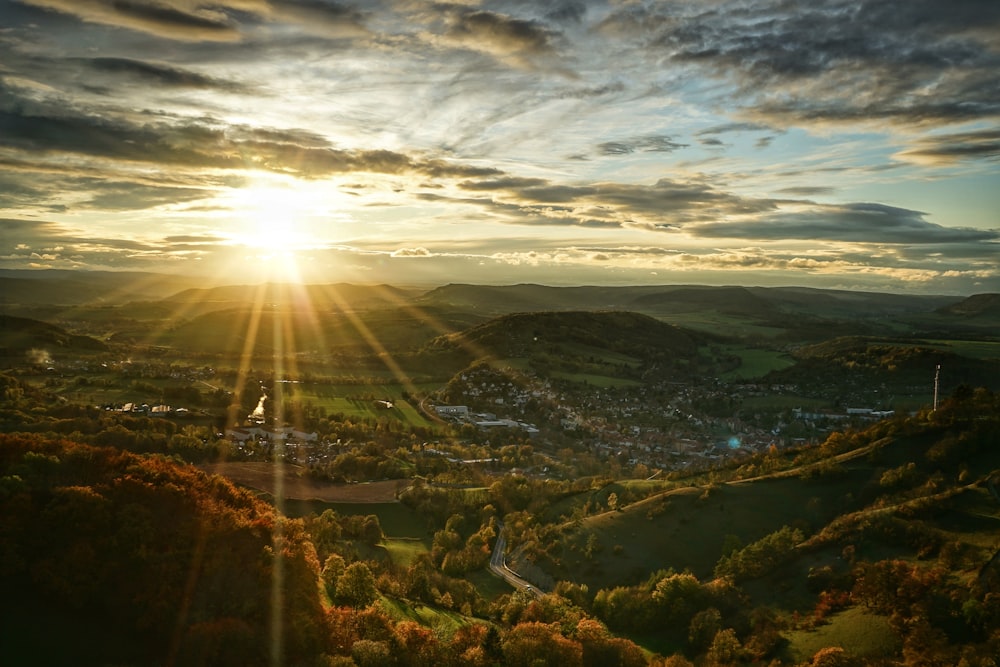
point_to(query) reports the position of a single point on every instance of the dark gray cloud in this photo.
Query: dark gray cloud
(341, 19)
(806, 190)
(127, 196)
(654, 143)
(172, 19)
(160, 75)
(499, 34)
(46, 128)
(949, 148)
(726, 128)
(665, 205)
(840, 60)
(858, 223)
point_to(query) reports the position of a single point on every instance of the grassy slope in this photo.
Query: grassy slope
(686, 528)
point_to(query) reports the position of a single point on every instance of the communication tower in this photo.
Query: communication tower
(937, 377)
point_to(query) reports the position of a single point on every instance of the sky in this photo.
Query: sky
(851, 144)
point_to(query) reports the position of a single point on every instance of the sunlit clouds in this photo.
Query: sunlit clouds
(841, 143)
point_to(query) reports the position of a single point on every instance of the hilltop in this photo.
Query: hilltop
(20, 336)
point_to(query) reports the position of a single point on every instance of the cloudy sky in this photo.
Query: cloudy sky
(833, 143)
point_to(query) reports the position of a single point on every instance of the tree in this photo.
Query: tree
(613, 501)
(370, 653)
(725, 648)
(332, 570)
(325, 532)
(833, 656)
(704, 627)
(356, 586)
(529, 644)
(371, 530)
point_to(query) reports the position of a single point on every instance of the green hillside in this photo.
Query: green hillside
(19, 335)
(609, 344)
(906, 488)
(289, 332)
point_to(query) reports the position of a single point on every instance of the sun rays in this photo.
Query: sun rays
(273, 337)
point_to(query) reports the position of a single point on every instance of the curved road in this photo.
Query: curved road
(498, 566)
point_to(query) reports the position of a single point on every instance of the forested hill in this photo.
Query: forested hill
(137, 560)
(19, 335)
(622, 332)
(609, 343)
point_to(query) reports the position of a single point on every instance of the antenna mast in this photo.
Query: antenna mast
(937, 376)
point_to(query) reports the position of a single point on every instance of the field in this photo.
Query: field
(783, 402)
(861, 633)
(724, 324)
(441, 620)
(756, 362)
(976, 349)
(362, 401)
(686, 528)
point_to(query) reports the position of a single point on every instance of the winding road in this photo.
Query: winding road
(498, 566)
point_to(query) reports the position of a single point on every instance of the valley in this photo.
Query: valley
(690, 472)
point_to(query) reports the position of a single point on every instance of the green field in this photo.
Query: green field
(783, 402)
(861, 633)
(756, 363)
(363, 401)
(976, 349)
(440, 619)
(722, 324)
(404, 550)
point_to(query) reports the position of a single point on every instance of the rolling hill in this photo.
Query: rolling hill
(19, 335)
(897, 489)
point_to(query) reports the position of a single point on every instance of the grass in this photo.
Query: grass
(686, 528)
(404, 551)
(432, 617)
(861, 633)
(720, 323)
(488, 585)
(756, 362)
(359, 401)
(600, 355)
(783, 402)
(975, 349)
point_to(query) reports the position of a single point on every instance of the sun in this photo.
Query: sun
(270, 220)
(272, 225)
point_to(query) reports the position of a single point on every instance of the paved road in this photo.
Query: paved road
(498, 566)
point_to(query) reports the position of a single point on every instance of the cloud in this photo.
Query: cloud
(726, 128)
(332, 19)
(655, 143)
(160, 75)
(45, 128)
(907, 61)
(126, 196)
(806, 190)
(172, 19)
(516, 42)
(411, 252)
(948, 149)
(859, 223)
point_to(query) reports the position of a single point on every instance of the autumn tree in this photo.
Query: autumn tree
(530, 644)
(356, 586)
